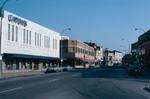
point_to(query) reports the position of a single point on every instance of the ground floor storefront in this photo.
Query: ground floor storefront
(18, 65)
(144, 60)
(78, 63)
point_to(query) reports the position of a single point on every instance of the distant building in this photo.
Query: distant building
(108, 57)
(112, 57)
(77, 54)
(98, 53)
(117, 57)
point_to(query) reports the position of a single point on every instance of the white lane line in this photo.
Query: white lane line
(53, 80)
(9, 90)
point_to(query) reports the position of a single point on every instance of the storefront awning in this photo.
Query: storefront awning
(23, 56)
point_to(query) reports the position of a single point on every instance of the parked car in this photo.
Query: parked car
(58, 69)
(67, 68)
(49, 70)
(135, 69)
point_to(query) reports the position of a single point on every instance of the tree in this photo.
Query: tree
(127, 59)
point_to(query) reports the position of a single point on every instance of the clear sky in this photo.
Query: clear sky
(105, 22)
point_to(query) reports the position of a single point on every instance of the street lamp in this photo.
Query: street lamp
(61, 57)
(128, 44)
(1, 19)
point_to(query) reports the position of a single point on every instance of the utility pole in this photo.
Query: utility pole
(61, 45)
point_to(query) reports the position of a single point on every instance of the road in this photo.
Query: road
(79, 84)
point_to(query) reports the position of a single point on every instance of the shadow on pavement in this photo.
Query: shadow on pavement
(108, 73)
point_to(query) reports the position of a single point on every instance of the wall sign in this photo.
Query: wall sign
(17, 20)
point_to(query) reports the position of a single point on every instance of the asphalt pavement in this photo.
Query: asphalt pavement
(79, 84)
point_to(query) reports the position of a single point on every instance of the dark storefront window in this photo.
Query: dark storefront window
(36, 66)
(11, 65)
(17, 65)
(30, 65)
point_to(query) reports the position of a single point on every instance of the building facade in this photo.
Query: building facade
(112, 57)
(108, 58)
(141, 49)
(77, 54)
(98, 53)
(134, 52)
(27, 46)
(117, 57)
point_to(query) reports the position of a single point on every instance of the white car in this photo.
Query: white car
(67, 68)
(58, 69)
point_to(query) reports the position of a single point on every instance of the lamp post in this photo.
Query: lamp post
(61, 57)
(128, 44)
(1, 19)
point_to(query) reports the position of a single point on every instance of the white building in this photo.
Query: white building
(27, 46)
(109, 56)
(99, 54)
(65, 37)
(112, 57)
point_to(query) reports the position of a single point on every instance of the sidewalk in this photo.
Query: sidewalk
(20, 74)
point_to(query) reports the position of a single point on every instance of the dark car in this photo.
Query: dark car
(134, 69)
(49, 70)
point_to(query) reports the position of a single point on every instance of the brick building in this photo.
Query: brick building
(77, 54)
(143, 50)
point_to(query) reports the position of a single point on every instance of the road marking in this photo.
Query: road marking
(53, 80)
(9, 90)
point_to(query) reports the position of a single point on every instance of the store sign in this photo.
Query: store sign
(17, 20)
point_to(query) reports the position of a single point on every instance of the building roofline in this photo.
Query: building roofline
(38, 24)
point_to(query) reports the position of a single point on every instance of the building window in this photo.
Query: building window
(16, 33)
(35, 38)
(24, 35)
(30, 37)
(12, 32)
(55, 44)
(46, 42)
(40, 39)
(65, 49)
(8, 31)
(71, 49)
(27, 37)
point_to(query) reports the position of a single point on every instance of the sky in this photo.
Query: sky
(104, 22)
